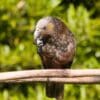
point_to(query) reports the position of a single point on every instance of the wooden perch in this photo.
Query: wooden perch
(52, 75)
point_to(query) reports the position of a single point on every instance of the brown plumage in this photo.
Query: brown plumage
(56, 47)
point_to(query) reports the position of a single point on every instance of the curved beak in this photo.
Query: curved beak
(39, 42)
(38, 38)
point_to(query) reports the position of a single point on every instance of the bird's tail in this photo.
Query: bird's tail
(55, 90)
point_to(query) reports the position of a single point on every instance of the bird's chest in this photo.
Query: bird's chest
(51, 49)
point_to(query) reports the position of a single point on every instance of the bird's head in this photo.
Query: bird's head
(43, 31)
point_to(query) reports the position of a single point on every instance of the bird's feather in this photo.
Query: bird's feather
(57, 51)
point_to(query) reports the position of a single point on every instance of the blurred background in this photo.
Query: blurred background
(17, 51)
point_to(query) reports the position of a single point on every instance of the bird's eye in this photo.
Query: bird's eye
(44, 27)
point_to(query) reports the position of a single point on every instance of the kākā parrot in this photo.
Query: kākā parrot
(56, 47)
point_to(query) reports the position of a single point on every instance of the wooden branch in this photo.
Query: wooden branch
(75, 80)
(52, 75)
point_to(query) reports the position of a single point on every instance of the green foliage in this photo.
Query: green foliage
(87, 37)
(17, 52)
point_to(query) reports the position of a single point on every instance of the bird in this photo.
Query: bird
(56, 46)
